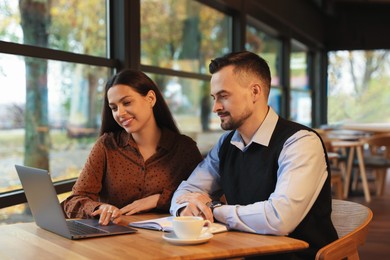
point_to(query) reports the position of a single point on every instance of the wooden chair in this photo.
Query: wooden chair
(377, 159)
(337, 175)
(351, 221)
(337, 165)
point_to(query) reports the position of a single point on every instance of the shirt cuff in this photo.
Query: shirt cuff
(179, 208)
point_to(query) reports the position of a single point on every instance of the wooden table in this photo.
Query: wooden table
(27, 241)
(346, 134)
(368, 127)
(358, 147)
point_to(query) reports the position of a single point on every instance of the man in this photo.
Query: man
(273, 173)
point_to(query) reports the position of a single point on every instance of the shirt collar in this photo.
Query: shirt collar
(263, 133)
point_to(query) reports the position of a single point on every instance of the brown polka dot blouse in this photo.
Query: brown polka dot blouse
(116, 173)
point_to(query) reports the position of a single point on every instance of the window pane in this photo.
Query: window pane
(190, 103)
(298, 70)
(301, 105)
(301, 99)
(182, 35)
(275, 100)
(358, 87)
(54, 121)
(72, 25)
(268, 48)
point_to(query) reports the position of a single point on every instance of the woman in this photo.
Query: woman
(140, 157)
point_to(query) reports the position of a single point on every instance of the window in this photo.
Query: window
(53, 104)
(54, 61)
(358, 86)
(270, 49)
(179, 39)
(58, 70)
(56, 73)
(74, 26)
(70, 116)
(190, 103)
(182, 35)
(301, 99)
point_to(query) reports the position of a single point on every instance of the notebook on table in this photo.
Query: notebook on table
(47, 211)
(165, 224)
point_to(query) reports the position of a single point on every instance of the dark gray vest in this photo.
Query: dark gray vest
(250, 176)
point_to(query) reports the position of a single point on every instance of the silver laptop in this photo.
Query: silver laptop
(47, 211)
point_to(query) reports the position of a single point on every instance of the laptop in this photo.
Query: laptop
(48, 213)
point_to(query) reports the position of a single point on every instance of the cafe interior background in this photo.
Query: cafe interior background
(329, 61)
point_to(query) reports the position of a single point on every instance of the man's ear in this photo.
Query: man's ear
(256, 91)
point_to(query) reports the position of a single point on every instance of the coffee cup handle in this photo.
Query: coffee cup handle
(207, 224)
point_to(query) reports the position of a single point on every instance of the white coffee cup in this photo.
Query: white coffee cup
(190, 227)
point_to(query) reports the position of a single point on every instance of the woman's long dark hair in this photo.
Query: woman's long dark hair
(140, 83)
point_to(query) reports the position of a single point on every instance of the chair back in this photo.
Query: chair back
(324, 136)
(378, 159)
(379, 141)
(351, 221)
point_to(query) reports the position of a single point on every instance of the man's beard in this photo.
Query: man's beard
(232, 124)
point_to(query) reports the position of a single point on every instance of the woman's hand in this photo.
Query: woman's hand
(107, 213)
(140, 205)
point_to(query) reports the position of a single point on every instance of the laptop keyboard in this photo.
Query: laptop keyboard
(81, 229)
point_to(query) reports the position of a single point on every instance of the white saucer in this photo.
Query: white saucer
(172, 238)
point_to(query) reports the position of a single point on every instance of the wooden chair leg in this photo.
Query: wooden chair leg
(337, 185)
(355, 181)
(340, 190)
(380, 179)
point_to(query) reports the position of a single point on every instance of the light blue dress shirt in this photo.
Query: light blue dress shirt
(301, 175)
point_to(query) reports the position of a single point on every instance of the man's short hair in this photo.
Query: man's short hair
(244, 62)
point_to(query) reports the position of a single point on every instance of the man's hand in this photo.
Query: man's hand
(196, 205)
